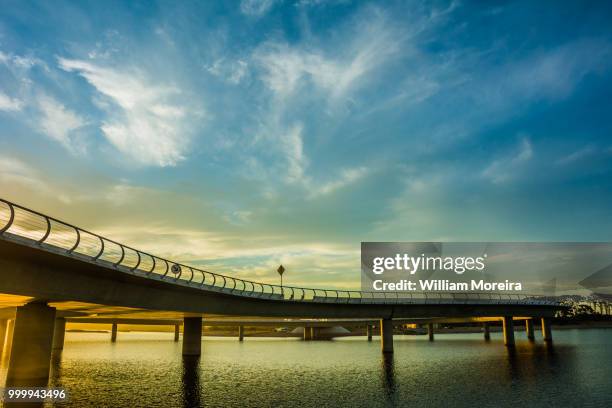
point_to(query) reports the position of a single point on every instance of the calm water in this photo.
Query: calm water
(146, 369)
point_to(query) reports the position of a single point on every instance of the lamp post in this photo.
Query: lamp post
(281, 270)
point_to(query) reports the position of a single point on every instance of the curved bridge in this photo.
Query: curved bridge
(54, 260)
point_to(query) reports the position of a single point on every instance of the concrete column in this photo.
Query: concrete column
(430, 331)
(8, 338)
(369, 332)
(31, 350)
(176, 332)
(386, 335)
(192, 336)
(546, 330)
(487, 331)
(307, 333)
(114, 333)
(240, 333)
(529, 329)
(508, 331)
(3, 324)
(59, 332)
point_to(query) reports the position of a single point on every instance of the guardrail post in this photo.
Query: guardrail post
(386, 335)
(30, 358)
(192, 336)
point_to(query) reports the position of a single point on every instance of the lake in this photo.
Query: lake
(458, 370)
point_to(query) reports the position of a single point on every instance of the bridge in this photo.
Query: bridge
(53, 264)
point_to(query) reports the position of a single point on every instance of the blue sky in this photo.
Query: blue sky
(238, 135)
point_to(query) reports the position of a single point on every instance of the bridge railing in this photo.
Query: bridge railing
(35, 229)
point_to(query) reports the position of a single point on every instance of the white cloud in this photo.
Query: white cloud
(256, 8)
(150, 126)
(230, 71)
(577, 155)
(287, 67)
(505, 168)
(292, 147)
(60, 123)
(9, 104)
(346, 177)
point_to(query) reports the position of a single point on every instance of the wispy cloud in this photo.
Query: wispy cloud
(231, 71)
(285, 68)
(577, 155)
(256, 8)
(344, 179)
(146, 121)
(9, 104)
(506, 168)
(60, 123)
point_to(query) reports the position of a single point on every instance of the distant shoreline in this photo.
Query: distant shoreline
(361, 332)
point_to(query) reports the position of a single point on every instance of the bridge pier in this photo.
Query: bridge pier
(307, 333)
(176, 332)
(8, 338)
(240, 333)
(192, 336)
(59, 332)
(30, 357)
(486, 327)
(430, 331)
(529, 329)
(386, 335)
(114, 333)
(3, 331)
(369, 332)
(508, 331)
(546, 330)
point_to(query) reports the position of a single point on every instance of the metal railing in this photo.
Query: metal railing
(38, 230)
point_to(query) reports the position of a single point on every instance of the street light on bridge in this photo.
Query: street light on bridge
(281, 270)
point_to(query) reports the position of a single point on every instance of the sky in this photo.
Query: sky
(239, 135)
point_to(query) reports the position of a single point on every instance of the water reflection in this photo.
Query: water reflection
(388, 378)
(191, 381)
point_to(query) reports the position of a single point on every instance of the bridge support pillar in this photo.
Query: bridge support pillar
(192, 336)
(508, 331)
(176, 332)
(486, 328)
(3, 331)
(369, 332)
(59, 331)
(240, 333)
(307, 333)
(546, 330)
(386, 335)
(8, 338)
(114, 333)
(430, 331)
(30, 358)
(529, 329)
